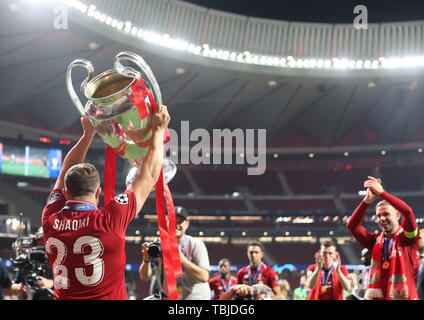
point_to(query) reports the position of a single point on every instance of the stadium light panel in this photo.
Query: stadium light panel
(245, 56)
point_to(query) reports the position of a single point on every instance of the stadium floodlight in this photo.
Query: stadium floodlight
(327, 64)
(128, 26)
(139, 33)
(120, 25)
(244, 56)
(91, 10)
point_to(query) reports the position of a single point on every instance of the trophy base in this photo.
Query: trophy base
(169, 171)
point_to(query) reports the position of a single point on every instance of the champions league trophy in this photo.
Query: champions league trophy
(120, 108)
(120, 105)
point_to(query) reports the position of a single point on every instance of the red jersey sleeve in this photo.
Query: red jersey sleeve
(273, 278)
(365, 238)
(55, 202)
(120, 212)
(344, 271)
(310, 269)
(240, 275)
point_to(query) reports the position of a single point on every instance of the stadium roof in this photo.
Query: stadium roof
(298, 110)
(322, 11)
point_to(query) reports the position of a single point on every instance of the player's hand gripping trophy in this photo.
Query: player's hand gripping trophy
(120, 108)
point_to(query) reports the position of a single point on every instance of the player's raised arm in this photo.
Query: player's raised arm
(152, 164)
(77, 154)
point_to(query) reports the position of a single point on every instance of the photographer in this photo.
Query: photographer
(33, 268)
(6, 282)
(151, 269)
(193, 284)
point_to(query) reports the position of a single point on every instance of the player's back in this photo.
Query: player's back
(86, 250)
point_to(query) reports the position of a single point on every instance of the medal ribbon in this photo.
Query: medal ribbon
(224, 286)
(253, 281)
(81, 207)
(184, 244)
(387, 249)
(171, 257)
(325, 279)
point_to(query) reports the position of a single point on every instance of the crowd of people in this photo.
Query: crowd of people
(85, 244)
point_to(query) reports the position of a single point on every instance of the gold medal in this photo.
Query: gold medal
(323, 289)
(386, 265)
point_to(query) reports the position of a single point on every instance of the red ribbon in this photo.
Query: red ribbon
(109, 174)
(170, 250)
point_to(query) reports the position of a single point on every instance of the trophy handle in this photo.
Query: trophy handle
(90, 69)
(146, 72)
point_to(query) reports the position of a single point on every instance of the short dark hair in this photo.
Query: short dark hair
(256, 244)
(82, 179)
(327, 244)
(223, 260)
(382, 203)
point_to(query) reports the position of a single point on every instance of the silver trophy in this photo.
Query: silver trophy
(113, 112)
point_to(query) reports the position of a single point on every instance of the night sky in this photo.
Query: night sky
(327, 11)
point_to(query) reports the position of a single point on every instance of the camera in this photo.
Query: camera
(26, 254)
(154, 249)
(30, 261)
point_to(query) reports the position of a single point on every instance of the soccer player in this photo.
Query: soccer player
(394, 250)
(222, 282)
(257, 271)
(86, 244)
(327, 278)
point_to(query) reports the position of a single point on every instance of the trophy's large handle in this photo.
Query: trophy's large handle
(146, 72)
(90, 69)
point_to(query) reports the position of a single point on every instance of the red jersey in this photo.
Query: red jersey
(219, 286)
(265, 275)
(409, 243)
(86, 246)
(328, 293)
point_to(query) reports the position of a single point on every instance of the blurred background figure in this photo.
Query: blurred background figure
(222, 282)
(286, 293)
(301, 292)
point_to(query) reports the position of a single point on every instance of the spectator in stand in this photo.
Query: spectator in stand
(257, 271)
(394, 250)
(327, 278)
(301, 292)
(222, 282)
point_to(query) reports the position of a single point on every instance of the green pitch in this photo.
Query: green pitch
(19, 169)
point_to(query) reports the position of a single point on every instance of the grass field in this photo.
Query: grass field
(19, 169)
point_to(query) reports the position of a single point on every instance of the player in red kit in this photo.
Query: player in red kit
(327, 278)
(257, 271)
(86, 244)
(393, 251)
(224, 281)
